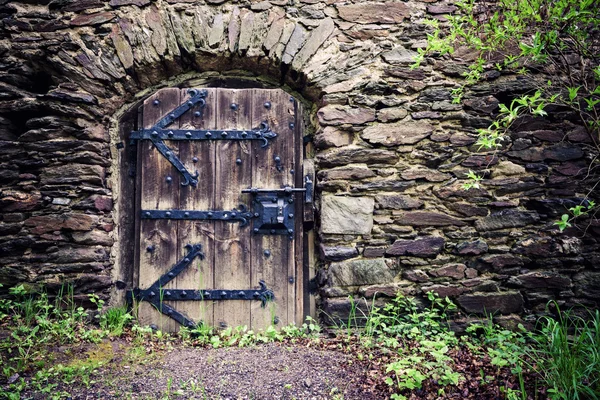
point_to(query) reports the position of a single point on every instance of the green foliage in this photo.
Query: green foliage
(557, 38)
(567, 355)
(240, 336)
(426, 341)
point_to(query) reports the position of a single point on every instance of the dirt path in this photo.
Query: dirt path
(269, 371)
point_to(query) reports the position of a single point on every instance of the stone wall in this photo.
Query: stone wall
(391, 147)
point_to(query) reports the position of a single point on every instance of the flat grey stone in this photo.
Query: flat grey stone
(347, 215)
(360, 272)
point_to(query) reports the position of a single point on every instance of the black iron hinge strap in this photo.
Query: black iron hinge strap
(186, 261)
(263, 133)
(197, 97)
(241, 215)
(263, 294)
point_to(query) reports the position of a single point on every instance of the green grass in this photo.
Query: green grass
(567, 355)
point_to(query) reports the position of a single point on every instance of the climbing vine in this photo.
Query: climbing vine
(555, 44)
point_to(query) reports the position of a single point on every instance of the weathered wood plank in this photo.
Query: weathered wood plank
(298, 267)
(157, 193)
(198, 156)
(232, 242)
(277, 268)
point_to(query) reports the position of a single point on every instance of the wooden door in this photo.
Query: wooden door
(221, 197)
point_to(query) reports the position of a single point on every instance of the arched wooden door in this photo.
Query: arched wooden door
(221, 193)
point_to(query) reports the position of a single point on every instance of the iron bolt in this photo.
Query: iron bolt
(156, 102)
(208, 134)
(154, 133)
(186, 260)
(291, 215)
(234, 106)
(209, 214)
(172, 116)
(292, 125)
(170, 133)
(255, 230)
(222, 325)
(238, 161)
(291, 171)
(256, 215)
(290, 200)
(168, 293)
(152, 294)
(291, 279)
(267, 253)
(188, 134)
(150, 248)
(276, 320)
(183, 294)
(233, 215)
(244, 134)
(194, 159)
(186, 214)
(272, 231)
(197, 114)
(267, 105)
(224, 134)
(290, 231)
(277, 159)
(148, 213)
(169, 179)
(171, 274)
(190, 104)
(168, 213)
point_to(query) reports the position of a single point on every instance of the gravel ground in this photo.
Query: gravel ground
(270, 371)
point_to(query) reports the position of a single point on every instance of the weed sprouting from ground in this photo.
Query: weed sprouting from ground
(408, 341)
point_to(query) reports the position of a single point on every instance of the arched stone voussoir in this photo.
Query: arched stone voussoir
(146, 46)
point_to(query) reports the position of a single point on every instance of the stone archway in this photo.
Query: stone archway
(391, 146)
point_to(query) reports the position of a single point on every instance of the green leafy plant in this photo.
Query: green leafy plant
(552, 43)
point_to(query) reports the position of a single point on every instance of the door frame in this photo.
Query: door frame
(127, 200)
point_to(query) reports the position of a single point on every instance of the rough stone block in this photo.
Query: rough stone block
(350, 155)
(419, 247)
(367, 12)
(397, 202)
(360, 272)
(338, 253)
(453, 270)
(444, 290)
(540, 280)
(489, 303)
(337, 115)
(347, 215)
(425, 218)
(474, 248)
(506, 219)
(408, 132)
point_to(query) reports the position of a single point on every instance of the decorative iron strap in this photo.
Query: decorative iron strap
(241, 215)
(263, 294)
(157, 133)
(156, 294)
(263, 133)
